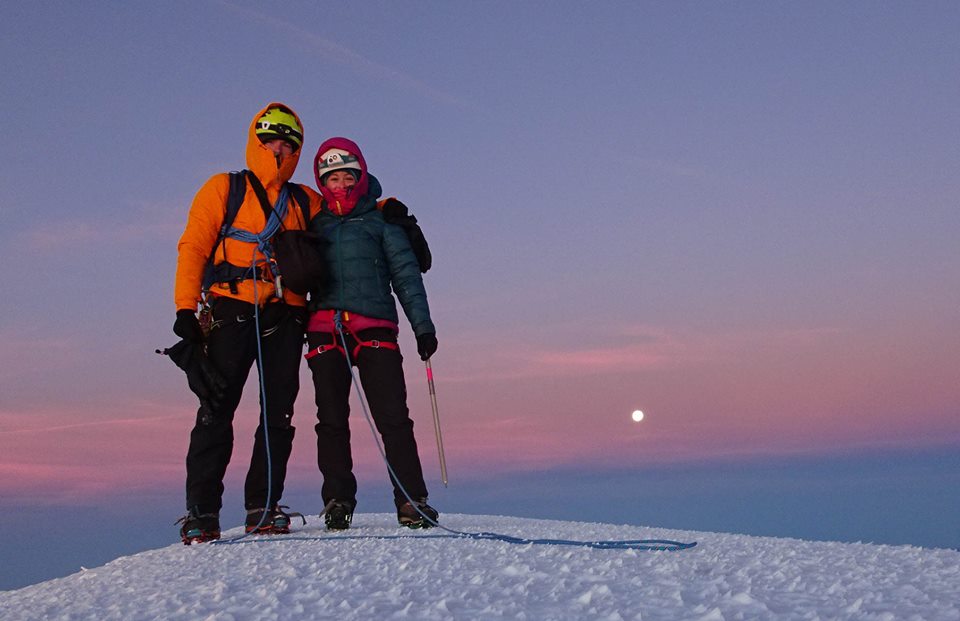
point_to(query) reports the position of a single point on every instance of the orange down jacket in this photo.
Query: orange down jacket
(206, 216)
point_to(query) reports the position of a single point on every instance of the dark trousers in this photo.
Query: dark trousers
(381, 375)
(232, 348)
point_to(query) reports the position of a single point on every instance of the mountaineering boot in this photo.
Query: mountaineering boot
(338, 514)
(276, 521)
(199, 527)
(417, 515)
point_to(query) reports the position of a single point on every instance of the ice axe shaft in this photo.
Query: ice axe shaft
(436, 423)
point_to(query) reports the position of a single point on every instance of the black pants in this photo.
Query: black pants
(381, 374)
(232, 348)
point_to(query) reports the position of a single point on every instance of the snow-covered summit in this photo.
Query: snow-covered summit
(364, 574)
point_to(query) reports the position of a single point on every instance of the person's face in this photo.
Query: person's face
(339, 180)
(280, 147)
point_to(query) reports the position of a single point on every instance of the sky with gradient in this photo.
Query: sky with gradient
(739, 217)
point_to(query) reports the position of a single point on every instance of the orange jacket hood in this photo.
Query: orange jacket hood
(262, 161)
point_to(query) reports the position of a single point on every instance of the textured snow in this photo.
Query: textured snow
(313, 574)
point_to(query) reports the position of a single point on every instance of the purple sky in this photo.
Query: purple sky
(739, 217)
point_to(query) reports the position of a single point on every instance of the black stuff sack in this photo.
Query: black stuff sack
(301, 258)
(202, 377)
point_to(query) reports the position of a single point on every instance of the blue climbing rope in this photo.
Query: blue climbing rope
(656, 545)
(665, 545)
(632, 544)
(262, 239)
(263, 407)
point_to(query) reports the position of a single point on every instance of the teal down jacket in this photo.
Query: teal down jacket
(367, 257)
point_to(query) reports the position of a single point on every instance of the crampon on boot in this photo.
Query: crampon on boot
(418, 515)
(276, 521)
(199, 527)
(338, 514)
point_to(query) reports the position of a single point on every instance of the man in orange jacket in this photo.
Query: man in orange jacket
(238, 277)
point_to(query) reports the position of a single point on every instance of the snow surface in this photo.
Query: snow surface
(313, 574)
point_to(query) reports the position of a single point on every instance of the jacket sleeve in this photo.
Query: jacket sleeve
(193, 251)
(406, 279)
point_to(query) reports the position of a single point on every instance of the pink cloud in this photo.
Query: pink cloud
(73, 454)
(544, 404)
(725, 393)
(622, 349)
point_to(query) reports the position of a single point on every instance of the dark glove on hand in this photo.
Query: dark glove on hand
(187, 326)
(426, 345)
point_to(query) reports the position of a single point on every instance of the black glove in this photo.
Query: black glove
(187, 326)
(426, 345)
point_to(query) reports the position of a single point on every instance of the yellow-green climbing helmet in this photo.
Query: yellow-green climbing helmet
(279, 123)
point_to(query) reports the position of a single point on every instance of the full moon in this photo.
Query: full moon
(637, 416)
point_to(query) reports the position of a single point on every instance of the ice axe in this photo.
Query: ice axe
(436, 423)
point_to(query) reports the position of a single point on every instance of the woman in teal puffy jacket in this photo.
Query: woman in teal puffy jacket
(367, 259)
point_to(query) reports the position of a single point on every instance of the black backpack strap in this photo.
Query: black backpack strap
(300, 195)
(295, 191)
(261, 193)
(238, 189)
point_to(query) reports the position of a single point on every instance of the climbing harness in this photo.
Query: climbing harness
(372, 343)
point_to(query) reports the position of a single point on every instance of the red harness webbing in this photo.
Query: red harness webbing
(374, 344)
(320, 349)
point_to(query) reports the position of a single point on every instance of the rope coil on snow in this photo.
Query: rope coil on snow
(655, 545)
